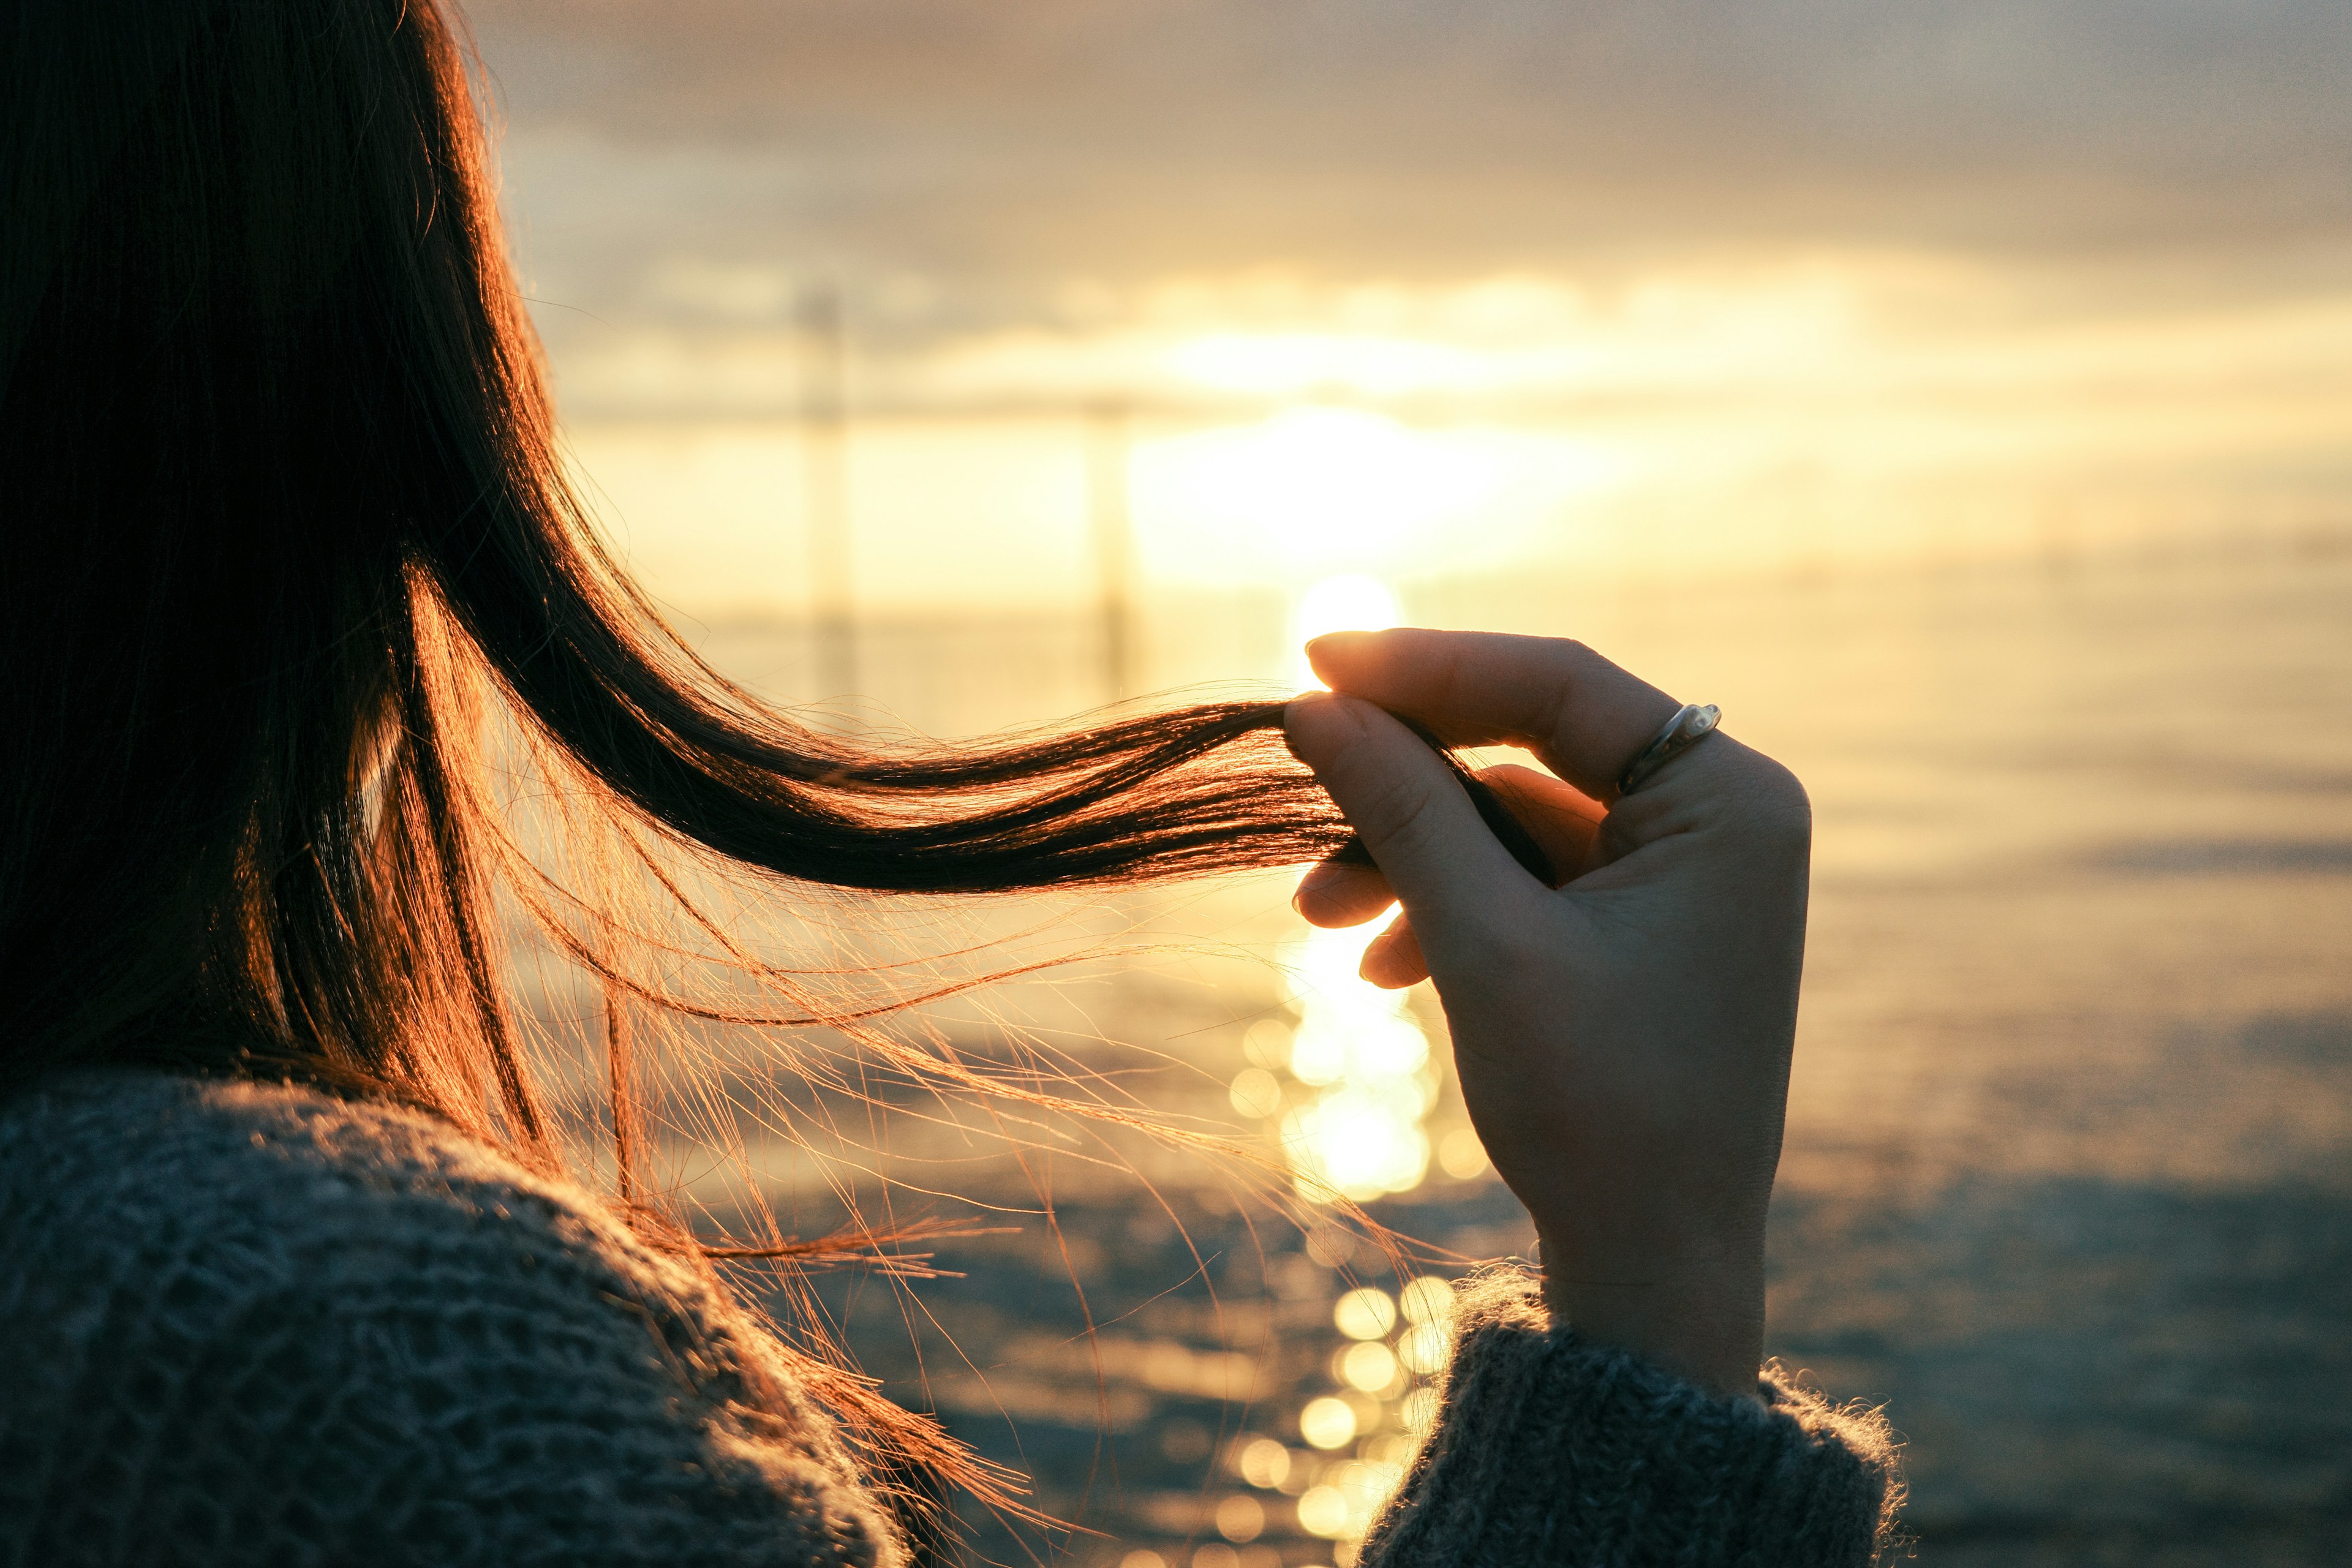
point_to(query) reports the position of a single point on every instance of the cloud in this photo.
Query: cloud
(1693, 276)
(1069, 170)
(1147, 134)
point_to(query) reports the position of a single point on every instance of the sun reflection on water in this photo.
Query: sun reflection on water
(1349, 1087)
(1364, 1055)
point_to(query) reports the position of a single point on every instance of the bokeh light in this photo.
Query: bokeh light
(1256, 1093)
(1426, 1299)
(1425, 1349)
(1241, 1518)
(1365, 1313)
(1462, 1155)
(1323, 1511)
(1328, 1423)
(1263, 1463)
(1370, 1366)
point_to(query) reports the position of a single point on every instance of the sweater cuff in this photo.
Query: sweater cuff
(1548, 1449)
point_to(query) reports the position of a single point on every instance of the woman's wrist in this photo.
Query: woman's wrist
(1698, 1314)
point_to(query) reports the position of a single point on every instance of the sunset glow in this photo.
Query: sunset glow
(1324, 485)
(1960, 397)
(1872, 413)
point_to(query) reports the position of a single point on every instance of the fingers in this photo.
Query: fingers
(1335, 893)
(1439, 859)
(1393, 960)
(1563, 819)
(1583, 716)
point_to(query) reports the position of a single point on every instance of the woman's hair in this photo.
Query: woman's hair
(294, 580)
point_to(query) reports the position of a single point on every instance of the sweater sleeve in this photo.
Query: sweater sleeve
(1549, 1450)
(299, 1332)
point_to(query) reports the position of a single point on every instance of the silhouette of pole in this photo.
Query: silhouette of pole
(1107, 490)
(824, 458)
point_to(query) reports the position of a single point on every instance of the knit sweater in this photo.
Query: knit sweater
(248, 1324)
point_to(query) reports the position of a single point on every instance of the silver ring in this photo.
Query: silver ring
(1687, 729)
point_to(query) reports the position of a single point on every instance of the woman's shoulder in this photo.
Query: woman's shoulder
(264, 1291)
(131, 1161)
(168, 1179)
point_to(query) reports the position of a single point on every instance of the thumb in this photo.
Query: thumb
(1444, 866)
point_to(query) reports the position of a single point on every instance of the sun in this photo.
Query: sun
(1320, 489)
(1347, 604)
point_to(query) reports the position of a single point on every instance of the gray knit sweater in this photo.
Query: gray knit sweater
(243, 1325)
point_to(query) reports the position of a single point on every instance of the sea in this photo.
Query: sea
(2067, 1187)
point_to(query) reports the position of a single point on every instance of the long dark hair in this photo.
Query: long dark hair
(289, 551)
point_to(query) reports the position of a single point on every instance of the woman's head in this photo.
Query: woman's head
(289, 550)
(284, 494)
(262, 363)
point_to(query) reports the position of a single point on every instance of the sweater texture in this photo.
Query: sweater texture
(1551, 1450)
(254, 1324)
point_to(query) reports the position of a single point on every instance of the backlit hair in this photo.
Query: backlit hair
(295, 588)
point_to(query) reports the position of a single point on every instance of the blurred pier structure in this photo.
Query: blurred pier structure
(825, 459)
(1108, 478)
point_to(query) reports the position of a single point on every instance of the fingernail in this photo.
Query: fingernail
(1317, 877)
(1303, 700)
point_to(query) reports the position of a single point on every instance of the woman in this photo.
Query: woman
(294, 1271)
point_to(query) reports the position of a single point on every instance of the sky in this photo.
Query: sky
(1551, 279)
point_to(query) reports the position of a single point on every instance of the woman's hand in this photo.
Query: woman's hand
(1623, 1039)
